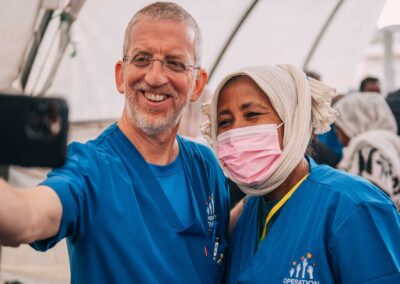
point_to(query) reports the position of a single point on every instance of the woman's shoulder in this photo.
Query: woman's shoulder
(340, 184)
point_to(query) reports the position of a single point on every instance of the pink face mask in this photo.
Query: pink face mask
(250, 154)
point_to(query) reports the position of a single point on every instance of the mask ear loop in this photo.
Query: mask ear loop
(279, 125)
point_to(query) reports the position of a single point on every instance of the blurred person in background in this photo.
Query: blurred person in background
(370, 85)
(324, 148)
(393, 100)
(368, 131)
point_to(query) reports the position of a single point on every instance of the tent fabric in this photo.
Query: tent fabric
(16, 29)
(275, 32)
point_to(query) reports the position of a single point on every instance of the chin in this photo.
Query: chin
(155, 126)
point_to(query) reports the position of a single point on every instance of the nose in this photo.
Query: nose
(155, 74)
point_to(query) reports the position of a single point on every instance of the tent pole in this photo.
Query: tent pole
(388, 59)
(231, 37)
(321, 34)
(35, 47)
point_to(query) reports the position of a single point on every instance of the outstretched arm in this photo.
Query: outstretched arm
(28, 215)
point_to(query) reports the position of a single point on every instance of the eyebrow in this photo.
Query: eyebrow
(173, 54)
(139, 50)
(243, 107)
(224, 112)
(249, 104)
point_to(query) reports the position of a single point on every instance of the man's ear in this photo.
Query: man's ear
(201, 81)
(119, 76)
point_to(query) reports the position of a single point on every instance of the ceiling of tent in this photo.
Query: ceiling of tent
(275, 31)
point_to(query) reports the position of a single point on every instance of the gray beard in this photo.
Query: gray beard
(162, 124)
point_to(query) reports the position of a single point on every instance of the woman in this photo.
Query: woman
(367, 129)
(302, 223)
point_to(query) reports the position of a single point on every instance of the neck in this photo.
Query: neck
(159, 149)
(295, 176)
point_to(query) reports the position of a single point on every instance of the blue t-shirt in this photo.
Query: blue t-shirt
(119, 225)
(336, 228)
(172, 179)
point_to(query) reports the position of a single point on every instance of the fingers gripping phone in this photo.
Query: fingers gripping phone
(33, 131)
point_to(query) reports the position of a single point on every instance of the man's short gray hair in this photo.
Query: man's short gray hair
(166, 11)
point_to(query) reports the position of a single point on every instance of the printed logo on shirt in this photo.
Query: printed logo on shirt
(302, 272)
(211, 216)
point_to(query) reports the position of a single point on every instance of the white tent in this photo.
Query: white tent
(328, 36)
(337, 38)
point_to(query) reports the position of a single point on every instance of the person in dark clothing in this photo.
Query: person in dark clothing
(393, 100)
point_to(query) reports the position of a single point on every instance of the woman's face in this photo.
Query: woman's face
(242, 103)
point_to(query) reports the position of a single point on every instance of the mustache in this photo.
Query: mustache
(161, 90)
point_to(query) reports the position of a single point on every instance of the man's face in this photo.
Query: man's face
(156, 95)
(372, 87)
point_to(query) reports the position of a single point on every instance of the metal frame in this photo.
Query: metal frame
(321, 33)
(232, 36)
(35, 47)
(388, 58)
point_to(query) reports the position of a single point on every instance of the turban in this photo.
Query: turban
(360, 112)
(302, 103)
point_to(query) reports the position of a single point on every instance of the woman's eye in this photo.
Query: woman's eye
(223, 123)
(252, 114)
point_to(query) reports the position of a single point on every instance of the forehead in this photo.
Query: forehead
(241, 90)
(162, 36)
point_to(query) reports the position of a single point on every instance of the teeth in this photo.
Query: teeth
(153, 97)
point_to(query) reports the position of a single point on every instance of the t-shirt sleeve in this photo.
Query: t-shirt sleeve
(74, 183)
(366, 247)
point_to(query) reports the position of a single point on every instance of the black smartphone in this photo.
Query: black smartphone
(33, 130)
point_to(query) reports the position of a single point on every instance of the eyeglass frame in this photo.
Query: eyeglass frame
(163, 62)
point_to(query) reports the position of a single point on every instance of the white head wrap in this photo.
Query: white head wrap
(302, 103)
(369, 123)
(360, 112)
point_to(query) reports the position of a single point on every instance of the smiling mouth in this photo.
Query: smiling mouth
(154, 97)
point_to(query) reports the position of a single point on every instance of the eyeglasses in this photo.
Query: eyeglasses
(174, 65)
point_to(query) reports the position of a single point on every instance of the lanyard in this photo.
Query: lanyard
(279, 205)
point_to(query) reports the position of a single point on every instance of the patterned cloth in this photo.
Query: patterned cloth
(374, 155)
(374, 148)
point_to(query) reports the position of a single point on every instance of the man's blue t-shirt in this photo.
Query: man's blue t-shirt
(119, 223)
(336, 228)
(172, 179)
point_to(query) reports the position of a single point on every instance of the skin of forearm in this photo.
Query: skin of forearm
(14, 216)
(235, 214)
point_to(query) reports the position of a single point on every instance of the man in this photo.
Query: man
(370, 84)
(138, 204)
